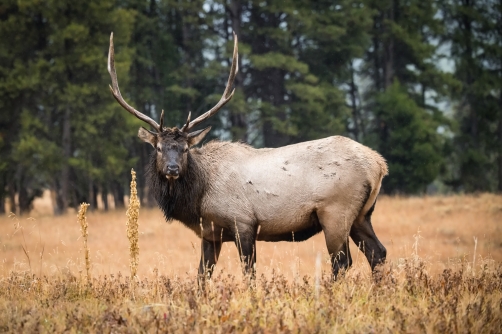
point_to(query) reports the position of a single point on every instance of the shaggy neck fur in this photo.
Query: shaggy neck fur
(179, 199)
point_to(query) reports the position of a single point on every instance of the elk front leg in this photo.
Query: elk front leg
(210, 251)
(342, 261)
(246, 245)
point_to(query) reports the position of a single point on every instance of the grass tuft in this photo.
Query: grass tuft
(405, 298)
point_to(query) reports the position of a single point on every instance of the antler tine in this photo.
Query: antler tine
(161, 125)
(183, 129)
(227, 94)
(114, 87)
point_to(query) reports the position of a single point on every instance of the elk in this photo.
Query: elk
(228, 191)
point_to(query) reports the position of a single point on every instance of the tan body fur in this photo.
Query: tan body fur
(335, 178)
(279, 188)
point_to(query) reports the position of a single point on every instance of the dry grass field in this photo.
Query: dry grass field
(443, 274)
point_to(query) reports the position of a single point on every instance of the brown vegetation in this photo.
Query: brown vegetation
(443, 274)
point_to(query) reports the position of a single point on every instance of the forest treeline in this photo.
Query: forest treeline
(417, 80)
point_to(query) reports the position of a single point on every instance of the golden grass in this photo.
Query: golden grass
(446, 225)
(435, 278)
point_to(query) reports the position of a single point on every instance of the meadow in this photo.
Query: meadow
(443, 274)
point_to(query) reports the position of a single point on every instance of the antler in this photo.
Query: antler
(227, 95)
(114, 87)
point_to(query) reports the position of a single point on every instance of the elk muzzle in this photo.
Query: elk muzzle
(172, 171)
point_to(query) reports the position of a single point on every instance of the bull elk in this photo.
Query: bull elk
(226, 191)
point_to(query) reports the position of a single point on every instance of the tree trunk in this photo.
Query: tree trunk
(353, 99)
(54, 198)
(269, 82)
(499, 188)
(24, 201)
(3, 193)
(74, 196)
(63, 193)
(271, 136)
(26, 195)
(118, 195)
(238, 120)
(2, 205)
(93, 195)
(466, 22)
(104, 196)
(94, 199)
(187, 82)
(388, 69)
(144, 157)
(11, 189)
(377, 19)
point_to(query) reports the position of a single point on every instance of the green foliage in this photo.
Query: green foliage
(475, 32)
(280, 61)
(408, 140)
(308, 69)
(57, 83)
(298, 53)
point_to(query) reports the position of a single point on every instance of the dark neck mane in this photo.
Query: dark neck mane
(179, 199)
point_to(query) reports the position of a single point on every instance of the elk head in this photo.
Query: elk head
(172, 144)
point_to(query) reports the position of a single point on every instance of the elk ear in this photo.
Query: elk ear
(147, 136)
(195, 137)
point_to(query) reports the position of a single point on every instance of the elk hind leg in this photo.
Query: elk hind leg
(336, 231)
(342, 261)
(364, 236)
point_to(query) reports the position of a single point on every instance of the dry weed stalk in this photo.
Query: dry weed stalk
(82, 219)
(18, 227)
(132, 226)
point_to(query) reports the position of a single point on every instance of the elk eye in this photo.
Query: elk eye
(185, 150)
(158, 149)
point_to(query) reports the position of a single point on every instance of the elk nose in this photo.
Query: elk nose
(173, 170)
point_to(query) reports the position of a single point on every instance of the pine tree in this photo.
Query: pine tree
(289, 89)
(336, 37)
(409, 141)
(405, 52)
(475, 34)
(170, 68)
(61, 106)
(21, 39)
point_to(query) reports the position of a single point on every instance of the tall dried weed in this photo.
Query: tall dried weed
(133, 226)
(82, 220)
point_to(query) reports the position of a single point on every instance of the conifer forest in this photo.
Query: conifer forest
(418, 81)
